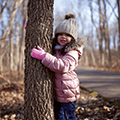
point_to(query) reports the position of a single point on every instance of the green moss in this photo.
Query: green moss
(90, 91)
(94, 93)
(94, 101)
(87, 90)
(115, 103)
(89, 111)
(99, 111)
(105, 99)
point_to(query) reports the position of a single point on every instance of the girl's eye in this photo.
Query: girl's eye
(68, 35)
(65, 35)
(60, 34)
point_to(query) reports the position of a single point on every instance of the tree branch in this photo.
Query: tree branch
(113, 9)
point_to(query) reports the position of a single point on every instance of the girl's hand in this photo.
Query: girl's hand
(38, 53)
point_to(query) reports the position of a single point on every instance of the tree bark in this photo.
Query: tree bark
(101, 32)
(93, 57)
(11, 21)
(11, 52)
(38, 79)
(118, 3)
(22, 40)
(2, 9)
(1, 57)
(17, 59)
(106, 37)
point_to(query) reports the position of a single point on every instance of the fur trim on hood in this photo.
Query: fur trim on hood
(80, 42)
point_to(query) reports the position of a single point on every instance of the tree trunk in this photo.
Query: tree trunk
(86, 58)
(2, 9)
(22, 40)
(1, 57)
(106, 37)
(38, 85)
(17, 59)
(101, 33)
(118, 3)
(11, 52)
(93, 56)
(11, 21)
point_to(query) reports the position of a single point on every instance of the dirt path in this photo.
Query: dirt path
(105, 83)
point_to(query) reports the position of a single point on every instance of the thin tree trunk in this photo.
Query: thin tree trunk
(101, 32)
(118, 3)
(107, 38)
(7, 31)
(2, 9)
(93, 56)
(114, 33)
(86, 58)
(21, 41)
(11, 21)
(17, 59)
(38, 85)
(11, 52)
(1, 57)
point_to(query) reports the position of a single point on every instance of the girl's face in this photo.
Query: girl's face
(63, 39)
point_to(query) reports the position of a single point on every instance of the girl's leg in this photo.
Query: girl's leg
(69, 110)
(58, 111)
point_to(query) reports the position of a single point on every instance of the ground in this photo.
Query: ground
(91, 106)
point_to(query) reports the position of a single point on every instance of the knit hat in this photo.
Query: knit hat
(68, 25)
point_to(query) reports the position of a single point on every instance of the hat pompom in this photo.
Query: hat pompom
(70, 15)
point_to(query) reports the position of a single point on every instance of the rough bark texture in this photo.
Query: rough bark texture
(106, 37)
(38, 79)
(118, 3)
(101, 33)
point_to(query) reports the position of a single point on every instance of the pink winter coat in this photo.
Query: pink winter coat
(66, 82)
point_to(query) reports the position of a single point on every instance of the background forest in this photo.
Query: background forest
(98, 21)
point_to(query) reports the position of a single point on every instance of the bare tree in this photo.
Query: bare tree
(106, 36)
(22, 39)
(6, 33)
(38, 85)
(114, 33)
(118, 18)
(12, 18)
(2, 9)
(118, 3)
(11, 52)
(99, 30)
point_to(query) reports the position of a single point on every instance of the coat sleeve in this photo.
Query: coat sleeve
(61, 65)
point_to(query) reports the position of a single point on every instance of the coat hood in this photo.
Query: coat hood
(76, 45)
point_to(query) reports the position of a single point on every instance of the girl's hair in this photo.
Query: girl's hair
(55, 42)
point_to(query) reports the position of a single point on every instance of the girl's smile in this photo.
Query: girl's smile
(63, 39)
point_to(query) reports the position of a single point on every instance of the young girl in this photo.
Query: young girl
(67, 49)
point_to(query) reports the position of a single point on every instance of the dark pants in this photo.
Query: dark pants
(64, 111)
